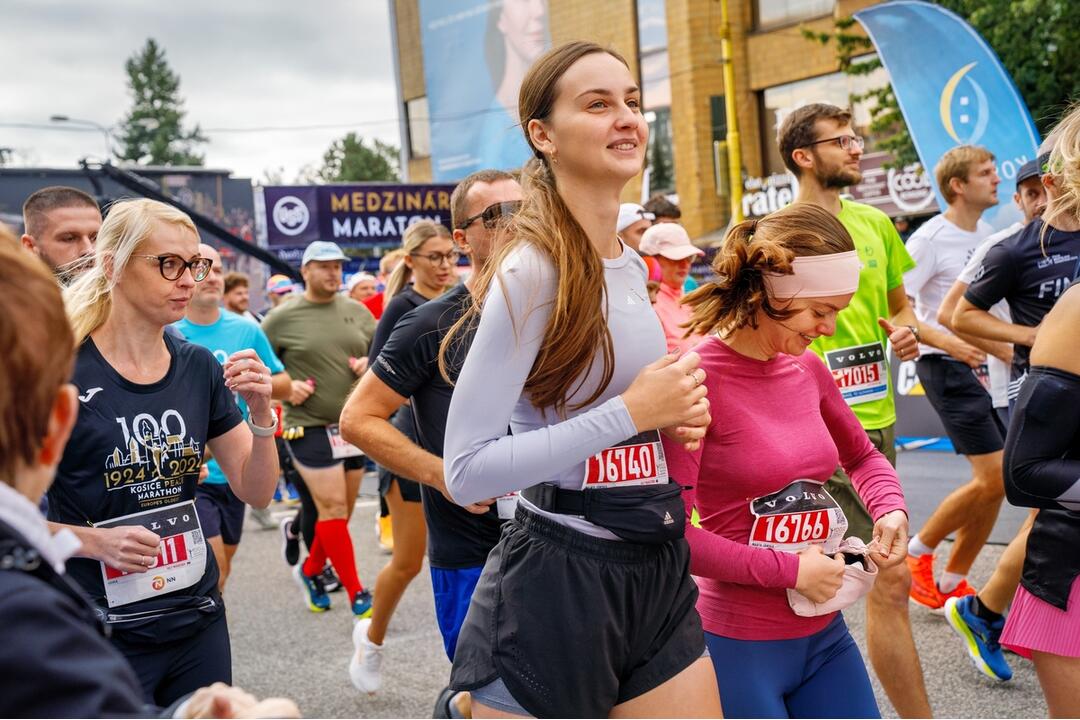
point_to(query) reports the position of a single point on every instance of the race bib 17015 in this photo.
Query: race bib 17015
(800, 515)
(860, 372)
(181, 559)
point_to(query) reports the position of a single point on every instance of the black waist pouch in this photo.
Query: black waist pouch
(648, 514)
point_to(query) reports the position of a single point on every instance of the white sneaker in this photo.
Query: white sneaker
(365, 667)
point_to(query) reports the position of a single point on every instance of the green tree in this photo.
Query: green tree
(152, 133)
(351, 159)
(1038, 42)
(886, 121)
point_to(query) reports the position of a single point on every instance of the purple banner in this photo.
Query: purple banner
(350, 215)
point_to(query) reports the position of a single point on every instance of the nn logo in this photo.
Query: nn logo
(290, 215)
(963, 107)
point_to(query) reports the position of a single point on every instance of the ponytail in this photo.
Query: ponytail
(753, 249)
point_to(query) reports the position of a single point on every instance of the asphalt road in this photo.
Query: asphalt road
(280, 648)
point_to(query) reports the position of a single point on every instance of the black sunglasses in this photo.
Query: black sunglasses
(491, 214)
(172, 267)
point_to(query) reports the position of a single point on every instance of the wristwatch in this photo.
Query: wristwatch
(260, 431)
(915, 332)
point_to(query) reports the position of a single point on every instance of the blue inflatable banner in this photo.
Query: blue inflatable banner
(476, 53)
(953, 90)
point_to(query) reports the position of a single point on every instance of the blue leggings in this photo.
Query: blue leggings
(822, 675)
(453, 592)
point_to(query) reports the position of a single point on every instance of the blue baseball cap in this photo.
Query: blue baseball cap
(322, 251)
(1030, 169)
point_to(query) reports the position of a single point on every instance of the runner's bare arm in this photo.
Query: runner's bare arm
(973, 320)
(129, 548)
(1001, 350)
(249, 462)
(280, 386)
(902, 337)
(365, 422)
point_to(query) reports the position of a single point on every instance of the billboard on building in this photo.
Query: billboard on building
(476, 53)
(359, 217)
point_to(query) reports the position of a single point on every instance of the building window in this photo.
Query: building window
(837, 88)
(656, 92)
(416, 113)
(775, 13)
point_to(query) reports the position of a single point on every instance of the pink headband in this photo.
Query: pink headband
(817, 276)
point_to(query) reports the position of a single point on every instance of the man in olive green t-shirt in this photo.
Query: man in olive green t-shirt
(819, 145)
(322, 338)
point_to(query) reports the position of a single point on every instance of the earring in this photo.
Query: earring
(555, 157)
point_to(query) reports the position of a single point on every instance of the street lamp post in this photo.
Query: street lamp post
(88, 123)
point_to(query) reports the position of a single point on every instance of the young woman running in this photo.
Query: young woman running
(1042, 464)
(426, 271)
(586, 606)
(767, 524)
(149, 407)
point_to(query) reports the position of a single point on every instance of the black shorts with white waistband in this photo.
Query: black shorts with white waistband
(310, 447)
(963, 404)
(574, 625)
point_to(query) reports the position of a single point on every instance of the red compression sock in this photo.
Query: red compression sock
(333, 536)
(316, 558)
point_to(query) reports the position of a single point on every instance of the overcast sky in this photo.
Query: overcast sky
(243, 64)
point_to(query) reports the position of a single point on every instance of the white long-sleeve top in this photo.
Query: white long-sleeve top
(481, 461)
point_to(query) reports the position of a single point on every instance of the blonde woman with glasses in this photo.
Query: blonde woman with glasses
(150, 406)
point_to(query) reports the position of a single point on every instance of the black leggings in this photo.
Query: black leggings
(171, 670)
(307, 515)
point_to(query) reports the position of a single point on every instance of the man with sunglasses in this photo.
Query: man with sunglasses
(407, 369)
(319, 337)
(819, 146)
(224, 333)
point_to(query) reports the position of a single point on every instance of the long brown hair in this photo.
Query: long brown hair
(577, 327)
(753, 248)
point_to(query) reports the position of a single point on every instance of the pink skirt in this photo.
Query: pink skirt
(1035, 624)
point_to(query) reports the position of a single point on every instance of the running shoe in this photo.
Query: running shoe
(292, 497)
(361, 604)
(315, 596)
(330, 579)
(384, 533)
(365, 667)
(982, 638)
(263, 518)
(924, 590)
(277, 492)
(290, 543)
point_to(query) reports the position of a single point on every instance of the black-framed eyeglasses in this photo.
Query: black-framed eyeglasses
(436, 259)
(491, 214)
(844, 141)
(172, 266)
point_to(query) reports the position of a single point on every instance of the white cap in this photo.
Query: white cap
(322, 251)
(630, 213)
(356, 278)
(669, 240)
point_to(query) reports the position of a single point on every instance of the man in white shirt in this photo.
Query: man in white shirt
(953, 372)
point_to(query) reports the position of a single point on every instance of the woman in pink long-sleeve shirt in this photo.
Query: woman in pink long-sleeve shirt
(780, 428)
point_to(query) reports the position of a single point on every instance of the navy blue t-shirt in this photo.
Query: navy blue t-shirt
(1030, 272)
(139, 447)
(409, 365)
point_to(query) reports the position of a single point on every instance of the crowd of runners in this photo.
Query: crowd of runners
(637, 495)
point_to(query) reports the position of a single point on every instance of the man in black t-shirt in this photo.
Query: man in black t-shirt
(1029, 270)
(407, 368)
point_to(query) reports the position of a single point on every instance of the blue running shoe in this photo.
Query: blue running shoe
(982, 638)
(361, 604)
(315, 596)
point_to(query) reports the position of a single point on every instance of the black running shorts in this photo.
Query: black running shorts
(575, 625)
(220, 512)
(962, 403)
(310, 447)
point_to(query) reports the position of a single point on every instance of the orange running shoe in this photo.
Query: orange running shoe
(958, 592)
(924, 590)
